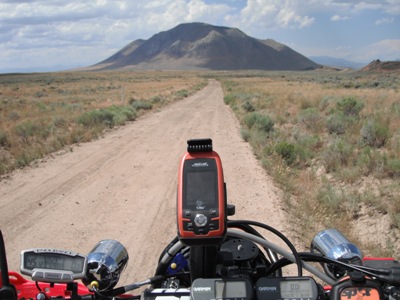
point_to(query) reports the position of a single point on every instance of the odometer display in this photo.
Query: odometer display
(287, 288)
(51, 261)
(53, 265)
(298, 289)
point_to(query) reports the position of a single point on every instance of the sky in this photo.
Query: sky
(51, 35)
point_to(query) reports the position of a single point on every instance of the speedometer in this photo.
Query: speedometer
(53, 265)
(287, 288)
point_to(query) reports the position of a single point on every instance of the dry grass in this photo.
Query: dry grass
(42, 113)
(330, 178)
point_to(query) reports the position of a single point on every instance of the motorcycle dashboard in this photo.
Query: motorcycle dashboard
(53, 265)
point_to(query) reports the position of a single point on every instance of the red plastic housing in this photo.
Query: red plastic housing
(213, 236)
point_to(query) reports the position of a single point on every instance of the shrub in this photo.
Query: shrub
(349, 106)
(3, 139)
(258, 121)
(122, 114)
(25, 129)
(287, 151)
(245, 134)
(374, 133)
(14, 116)
(182, 93)
(311, 142)
(310, 117)
(393, 167)
(327, 102)
(96, 117)
(370, 160)
(330, 198)
(337, 154)
(59, 122)
(264, 123)
(337, 123)
(250, 119)
(138, 104)
(228, 99)
(245, 97)
(108, 117)
(248, 107)
(155, 99)
(29, 129)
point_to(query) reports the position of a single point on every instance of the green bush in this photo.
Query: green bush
(310, 117)
(336, 155)
(122, 114)
(330, 199)
(370, 161)
(393, 167)
(248, 107)
(230, 85)
(30, 128)
(96, 117)
(139, 104)
(374, 133)
(108, 117)
(310, 142)
(182, 93)
(228, 99)
(337, 123)
(287, 151)
(250, 119)
(155, 99)
(259, 122)
(349, 106)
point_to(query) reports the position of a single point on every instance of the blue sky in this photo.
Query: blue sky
(38, 35)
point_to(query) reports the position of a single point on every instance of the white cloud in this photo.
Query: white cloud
(383, 50)
(384, 21)
(339, 18)
(267, 14)
(183, 11)
(289, 18)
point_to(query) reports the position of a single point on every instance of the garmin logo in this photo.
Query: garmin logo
(200, 165)
(202, 289)
(267, 289)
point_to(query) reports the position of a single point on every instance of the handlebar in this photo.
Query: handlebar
(173, 273)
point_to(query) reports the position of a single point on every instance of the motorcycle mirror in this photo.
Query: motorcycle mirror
(7, 290)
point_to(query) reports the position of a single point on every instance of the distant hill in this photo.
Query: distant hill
(382, 66)
(336, 62)
(202, 46)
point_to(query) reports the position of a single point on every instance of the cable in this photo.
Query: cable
(390, 276)
(282, 236)
(168, 254)
(246, 227)
(282, 252)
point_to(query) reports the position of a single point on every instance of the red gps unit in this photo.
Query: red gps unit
(202, 208)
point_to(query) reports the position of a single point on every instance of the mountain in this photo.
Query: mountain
(382, 66)
(336, 62)
(194, 46)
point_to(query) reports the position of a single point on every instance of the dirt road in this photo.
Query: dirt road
(123, 186)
